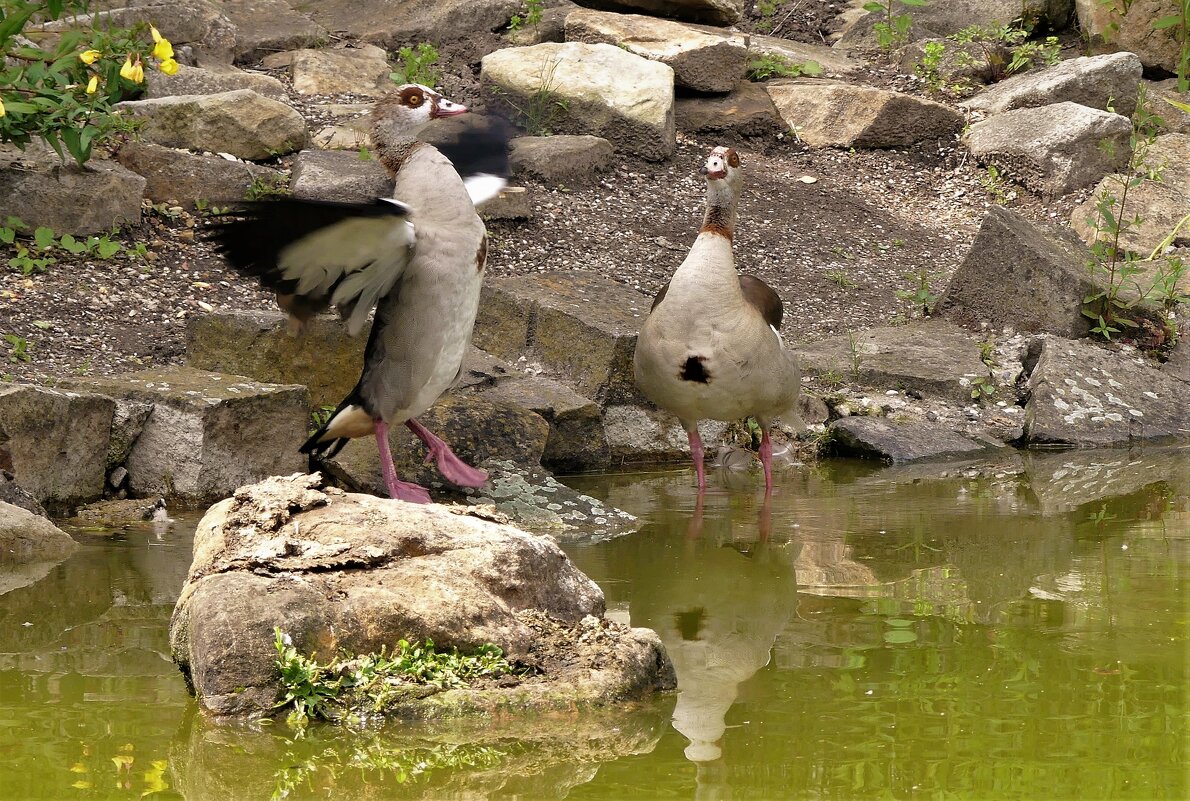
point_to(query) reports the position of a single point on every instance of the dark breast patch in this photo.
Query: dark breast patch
(693, 370)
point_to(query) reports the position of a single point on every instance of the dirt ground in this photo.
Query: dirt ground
(836, 233)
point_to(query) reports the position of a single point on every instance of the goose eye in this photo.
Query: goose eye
(413, 100)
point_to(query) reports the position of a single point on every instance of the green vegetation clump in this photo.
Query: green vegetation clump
(770, 65)
(373, 682)
(60, 86)
(1122, 272)
(416, 65)
(893, 30)
(532, 15)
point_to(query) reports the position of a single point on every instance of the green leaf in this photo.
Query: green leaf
(812, 68)
(874, 7)
(44, 237)
(914, 3)
(1161, 23)
(1183, 106)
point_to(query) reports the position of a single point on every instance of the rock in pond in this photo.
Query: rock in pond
(353, 573)
(27, 537)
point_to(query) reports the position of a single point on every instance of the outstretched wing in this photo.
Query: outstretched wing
(477, 146)
(315, 254)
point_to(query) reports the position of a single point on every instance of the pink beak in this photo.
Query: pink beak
(446, 108)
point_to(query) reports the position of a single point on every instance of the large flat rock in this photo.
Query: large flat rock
(826, 114)
(579, 325)
(576, 439)
(359, 70)
(46, 192)
(207, 433)
(27, 537)
(898, 441)
(1094, 81)
(241, 122)
(700, 61)
(270, 26)
(55, 443)
(1052, 149)
(339, 175)
(1020, 275)
(1085, 395)
(221, 78)
(745, 111)
(931, 357)
(179, 176)
(715, 12)
(340, 572)
(392, 24)
(595, 89)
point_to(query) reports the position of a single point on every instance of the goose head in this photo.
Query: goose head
(723, 164)
(405, 111)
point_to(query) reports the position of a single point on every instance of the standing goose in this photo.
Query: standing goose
(417, 258)
(710, 347)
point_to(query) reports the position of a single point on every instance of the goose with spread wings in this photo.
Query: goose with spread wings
(416, 258)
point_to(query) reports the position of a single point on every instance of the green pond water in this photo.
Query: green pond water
(1001, 631)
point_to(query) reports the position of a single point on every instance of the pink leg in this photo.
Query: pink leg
(400, 490)
(453, 469)
(766, 459)
(697, 455)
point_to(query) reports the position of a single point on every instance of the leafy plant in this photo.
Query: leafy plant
(982, 387)
(267, 186)
(18, 348)
(929, 68)
(893, 30)
(320, 416)
(62, 90)
(919, 295)
(316, 690)
(416, 65)
(769, 65)
(533, 11)
(540, 111)
(841, 279)
(1006, 49)
(854, 354)
(1110, 308)
(994, 182)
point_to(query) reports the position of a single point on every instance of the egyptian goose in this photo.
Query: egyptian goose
(417, 257)
(711, 347)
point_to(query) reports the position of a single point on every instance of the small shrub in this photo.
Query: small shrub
(416, 65)
(532, 15)
(770, 65)
(919, 296)
(893, 30)
(541, 110)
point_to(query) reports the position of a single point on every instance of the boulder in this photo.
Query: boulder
(241, 122)
(341, 572)
(595, 89)
(746, 111)
(841, 115)
(543, 315)
(339, 175)
(641, 434)
(180, 177)
(407, 22)
(1095, 81)
(1086, 395)
(16, 495)
(535, 501)
(212, 81)
(1022, 276)
(208, 433)
(54, 443)
(567, 160)
(352, 135)
(270, 26)
(1178, 365)
(834, 62)
(359, 70)
(28, 537)
(930, 357)
(260, 345)
(1170, 153)
(42, 191)
(1052, 149)
(898, 441)
(476, 429)
(715, 12)
(1061, 481)
(576, 439)
(1133, 31)
(700, 61)
(198, 29)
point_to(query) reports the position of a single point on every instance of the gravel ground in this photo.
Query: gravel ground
(836, 233)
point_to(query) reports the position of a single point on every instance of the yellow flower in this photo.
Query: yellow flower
(162, 50)
(93, 85)
(168, 66)
(90, 56)
(2, 111)
(133, 72)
